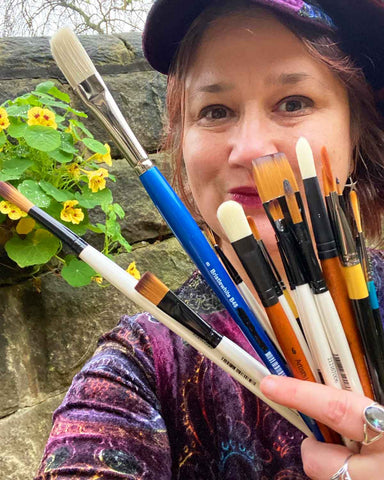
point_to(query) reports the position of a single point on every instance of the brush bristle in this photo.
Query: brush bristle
(328, 170)
(71, 57)
(305, 159)
(210, 236)
(326, 186)
(253, 227)
(293, 207)
(269, 173)
(151, 288)
(356, 210)
(275, 210)
(9, 193)
(233, 220)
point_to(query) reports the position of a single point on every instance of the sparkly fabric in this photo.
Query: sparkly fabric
(149, 406)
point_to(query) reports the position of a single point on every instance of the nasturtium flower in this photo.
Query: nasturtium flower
(74, 170)
(71, 214)
(41, 116)
(97, 279)
(13, 212)
(4, 121)
(25, 226)
(132, 270)
(96, 179)
(106, 158)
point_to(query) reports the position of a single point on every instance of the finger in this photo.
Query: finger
(340, 410)
(322, 460)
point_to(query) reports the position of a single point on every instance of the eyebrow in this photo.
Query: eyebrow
(214, 88)
(289, 78)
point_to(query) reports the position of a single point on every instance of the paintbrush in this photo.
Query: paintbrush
(285, 299)
(83, 77)
(269, 176)
(329, 259)
(235, 225)
(239, 364)
(253, 304)
(356, 284)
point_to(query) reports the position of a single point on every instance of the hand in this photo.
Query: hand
(342, 411)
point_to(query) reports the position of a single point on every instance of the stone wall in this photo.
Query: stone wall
(47, 334)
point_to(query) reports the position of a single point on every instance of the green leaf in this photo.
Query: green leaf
(42, 138)
(2, 217)
(17, 128)
(77, 273)
(37, 248)
(58, 195)
(82, 127)
(32, 190)
(3, 138)
(118, 210)
(95, 146)
(61, 156)
(88, 199)
(14, 168)
(44, 87)
(67, 143)
(55, 92)
(18, 110)
(77, 112)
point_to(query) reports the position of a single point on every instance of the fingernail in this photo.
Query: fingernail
(268, 384)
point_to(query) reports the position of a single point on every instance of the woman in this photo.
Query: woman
(247, 79)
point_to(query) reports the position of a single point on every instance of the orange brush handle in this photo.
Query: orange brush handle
(338, 290)
(289, 344)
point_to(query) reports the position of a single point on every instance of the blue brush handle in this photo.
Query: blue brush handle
(195, 244)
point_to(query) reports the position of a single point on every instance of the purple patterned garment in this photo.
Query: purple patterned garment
(149, 406)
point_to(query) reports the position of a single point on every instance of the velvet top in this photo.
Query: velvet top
(148, 406)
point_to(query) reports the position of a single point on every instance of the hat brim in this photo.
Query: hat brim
(360, 25)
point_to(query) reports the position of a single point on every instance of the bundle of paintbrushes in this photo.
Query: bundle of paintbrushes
(333, 290)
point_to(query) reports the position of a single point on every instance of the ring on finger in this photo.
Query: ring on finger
(343, 473)
(373, 417)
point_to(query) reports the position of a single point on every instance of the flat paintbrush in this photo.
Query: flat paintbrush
(87, 83)
(239, 364)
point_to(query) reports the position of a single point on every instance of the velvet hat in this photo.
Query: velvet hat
(359, 24)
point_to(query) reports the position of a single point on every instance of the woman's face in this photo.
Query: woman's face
(252, 90)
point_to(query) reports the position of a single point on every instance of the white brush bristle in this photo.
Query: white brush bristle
(305, 159)
(71, 57)
(233, 220)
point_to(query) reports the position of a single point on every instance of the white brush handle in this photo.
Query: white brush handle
(300, 337)
(227, 355)
(338, 343)
(315, 334)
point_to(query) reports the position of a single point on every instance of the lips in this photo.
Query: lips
(246, 196)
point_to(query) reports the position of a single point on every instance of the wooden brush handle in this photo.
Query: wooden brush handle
(337, 287)
(289, 343)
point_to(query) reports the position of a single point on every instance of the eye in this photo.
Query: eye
(297, 104)
(214, 112)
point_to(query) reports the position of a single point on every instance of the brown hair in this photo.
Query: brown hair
(366, 124)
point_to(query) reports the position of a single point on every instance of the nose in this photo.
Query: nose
(253, 136)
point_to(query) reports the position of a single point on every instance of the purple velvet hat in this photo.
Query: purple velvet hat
(359, 25)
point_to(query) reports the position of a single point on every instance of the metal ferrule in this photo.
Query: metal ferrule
(98, 98)
(345, 240)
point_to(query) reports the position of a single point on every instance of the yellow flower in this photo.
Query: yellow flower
(97, 279)
(74, 170)
(106, 158)
(96, 179)
(132, 270)
(25, 226)
(41, 116)
(70, 214)
(4, 122)
(13, 212)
